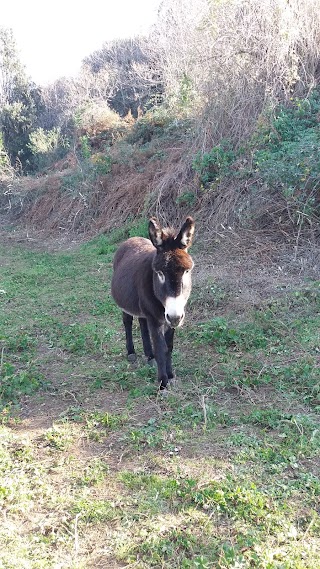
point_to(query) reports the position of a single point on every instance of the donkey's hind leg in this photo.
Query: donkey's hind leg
(127, 321)
(147, 347)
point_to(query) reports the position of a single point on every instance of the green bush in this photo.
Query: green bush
(85, 150)
(213, 165)
(102, 163)
(287, 156)
(46, 147)
(5, 166)
(157, 122)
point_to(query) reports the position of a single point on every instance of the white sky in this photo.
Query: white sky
(53, 37)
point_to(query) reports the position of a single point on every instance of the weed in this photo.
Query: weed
(176, 544)
(97, 424)
(266, 418)
(212, 165)
(95, 511)
(59, 437)
(219, 333)
(94, 473)
(14, 383)
(155, 435)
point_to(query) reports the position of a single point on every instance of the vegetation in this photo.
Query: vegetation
(100, 471)
(215, 111)
(225, 94)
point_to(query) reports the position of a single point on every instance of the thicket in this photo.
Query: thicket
(223, 92)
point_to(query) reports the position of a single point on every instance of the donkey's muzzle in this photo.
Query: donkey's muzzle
(174, 310)
(174, 321)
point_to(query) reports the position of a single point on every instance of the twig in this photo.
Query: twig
(204, 409)
(76, 534)
(72, 395)
(1, 360)
(309, 526)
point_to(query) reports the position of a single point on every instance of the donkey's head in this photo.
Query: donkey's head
(172, 268)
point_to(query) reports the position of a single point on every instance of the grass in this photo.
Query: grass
(97, 471)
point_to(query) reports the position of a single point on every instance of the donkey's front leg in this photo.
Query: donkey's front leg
(160, 351)
(169, 341)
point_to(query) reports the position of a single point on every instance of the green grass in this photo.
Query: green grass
(97, 470)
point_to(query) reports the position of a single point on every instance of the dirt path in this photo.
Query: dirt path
(11, 233)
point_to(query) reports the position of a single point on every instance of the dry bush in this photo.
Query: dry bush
(225, 63)
(47, 204)
(97, 117)
(127, 70)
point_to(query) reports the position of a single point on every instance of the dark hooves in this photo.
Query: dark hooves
(163, 390)
(132, 358)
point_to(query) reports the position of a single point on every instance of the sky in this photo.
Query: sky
(53, 37)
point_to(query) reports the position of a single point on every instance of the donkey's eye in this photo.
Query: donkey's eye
(161, 276)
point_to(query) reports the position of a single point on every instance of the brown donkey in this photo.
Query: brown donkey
(152, 280)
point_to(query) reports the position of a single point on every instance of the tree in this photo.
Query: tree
(20, 102)
(130, 72)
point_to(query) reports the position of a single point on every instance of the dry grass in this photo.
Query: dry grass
(46, 203)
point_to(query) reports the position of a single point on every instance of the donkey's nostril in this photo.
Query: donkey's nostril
(174, 321)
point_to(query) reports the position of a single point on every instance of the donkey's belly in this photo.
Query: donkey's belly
(129, 307)
(126, 296)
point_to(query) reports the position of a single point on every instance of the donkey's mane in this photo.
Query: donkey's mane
(169, 235)
(168, 232)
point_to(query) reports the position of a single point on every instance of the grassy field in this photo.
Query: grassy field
(98, 470)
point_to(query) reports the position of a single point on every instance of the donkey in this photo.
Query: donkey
(152, 280)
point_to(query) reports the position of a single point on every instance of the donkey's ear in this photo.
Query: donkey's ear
(185, 235)
(155, 232)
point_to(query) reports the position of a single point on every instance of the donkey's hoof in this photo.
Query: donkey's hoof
(151, 362)
(164, 392)
(132, 358)
(171, 380)
(164, 388)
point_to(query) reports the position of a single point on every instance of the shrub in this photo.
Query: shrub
(47, 146)
(96, 117)
(16, 383)
(5, 166)
(102, 163)
(212, 165)
(288, 155)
